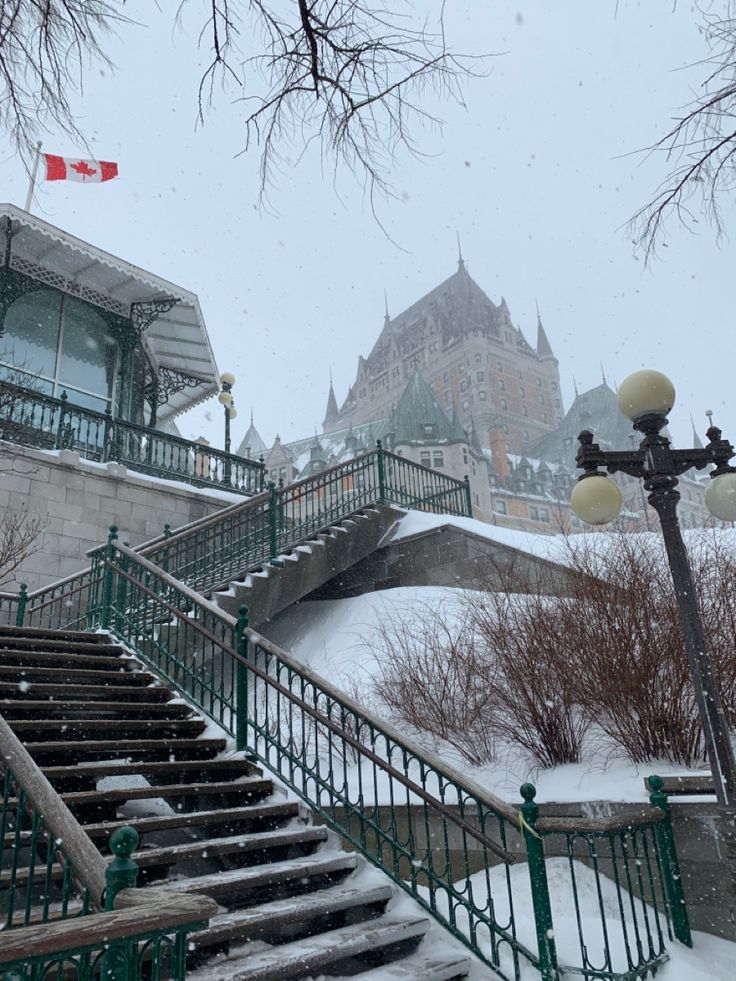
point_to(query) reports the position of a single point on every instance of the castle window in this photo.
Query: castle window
(478, 358)
(504, 404)
(554, 386)
(482, 395)
(461, 368)
(522, 391)
(432, 347)
(439, 459)
(429, 429)
(502, 384)
(446, 377)
(541, 398)
(526, 435)
(465, 456)
(539, 382)
(524, 410)
(506, 429)
(465, 404)
(448, 396)
(500, 507)
(534, 513)
(499, 366)
(544, 417)
(463, 386)
(425, 458)
(479, 376)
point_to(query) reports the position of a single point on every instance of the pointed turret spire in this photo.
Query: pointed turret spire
(603, 375)
(544, 348)
(460, 260)
(386, 317)
(697, 441)
(575, 386)
(331, 412)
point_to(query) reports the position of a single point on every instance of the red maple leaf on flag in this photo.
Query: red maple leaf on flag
(83, 168)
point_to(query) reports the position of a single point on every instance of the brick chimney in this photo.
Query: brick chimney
(499, 459)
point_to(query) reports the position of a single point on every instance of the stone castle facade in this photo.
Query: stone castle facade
(452, 383)
(477, 362)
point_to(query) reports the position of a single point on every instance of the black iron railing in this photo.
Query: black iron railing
(48, 423)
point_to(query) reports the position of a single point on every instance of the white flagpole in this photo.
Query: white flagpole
(34, 172)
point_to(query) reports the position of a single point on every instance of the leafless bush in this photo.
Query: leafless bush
(538, 671)
(430, 678)
(529, 674)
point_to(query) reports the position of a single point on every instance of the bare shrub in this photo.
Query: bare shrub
(621, 628)
(529, 674)
(430, 678)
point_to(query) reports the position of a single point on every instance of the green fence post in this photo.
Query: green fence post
(381, 473)
(59, 441)
(468, 496)
(122, 593)
(241, 682)
(165, 558)
(107, 579)
(20, 613)
(121, 873)
(670, 864)
(272, 520)
(540, 888)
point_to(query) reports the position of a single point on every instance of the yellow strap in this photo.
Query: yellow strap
(525, 826)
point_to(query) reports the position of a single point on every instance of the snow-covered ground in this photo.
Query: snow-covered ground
(336, 638)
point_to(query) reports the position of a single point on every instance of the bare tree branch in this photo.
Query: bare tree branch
(352, 74)
(45, 45)
(700, 148)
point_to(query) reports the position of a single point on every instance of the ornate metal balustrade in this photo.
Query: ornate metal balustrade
(213, 551)
(66, 912)
(33, 419)
(450, 844)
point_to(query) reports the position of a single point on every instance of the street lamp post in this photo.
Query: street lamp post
(225, 398)
(646, 397)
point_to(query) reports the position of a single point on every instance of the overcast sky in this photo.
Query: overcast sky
(535, 175)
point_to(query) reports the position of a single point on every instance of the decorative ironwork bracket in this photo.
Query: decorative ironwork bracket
(144, 312)
(169, 382)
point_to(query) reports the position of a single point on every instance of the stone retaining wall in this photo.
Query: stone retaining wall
(78, 501)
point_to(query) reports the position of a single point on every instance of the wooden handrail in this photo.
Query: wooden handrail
(89, 866)
(137, 912)
(591, 825)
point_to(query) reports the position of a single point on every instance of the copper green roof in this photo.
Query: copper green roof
(420, 418)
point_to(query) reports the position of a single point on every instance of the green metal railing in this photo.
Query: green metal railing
(33, 419)
(216, 550)
(55, 884)
(443, 839)
(37, 881)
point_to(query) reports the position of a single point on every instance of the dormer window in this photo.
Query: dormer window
(429, 429)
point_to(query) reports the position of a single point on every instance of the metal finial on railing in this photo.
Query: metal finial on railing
(22, 600)
(122, 872)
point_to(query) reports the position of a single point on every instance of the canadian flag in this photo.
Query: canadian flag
(73, 169)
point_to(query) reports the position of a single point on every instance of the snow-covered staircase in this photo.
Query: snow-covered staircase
(274, 586)
(122, 750)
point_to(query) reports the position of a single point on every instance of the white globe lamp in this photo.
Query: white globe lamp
(596, 500)
(646, 393)
(720, 496)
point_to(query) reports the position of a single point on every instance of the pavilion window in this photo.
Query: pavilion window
(54, 343)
